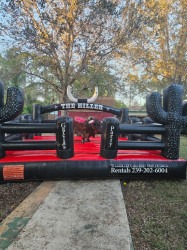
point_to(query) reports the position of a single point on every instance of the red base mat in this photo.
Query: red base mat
(83, 151)
(21, 165)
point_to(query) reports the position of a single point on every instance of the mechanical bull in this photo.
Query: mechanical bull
(86, 127)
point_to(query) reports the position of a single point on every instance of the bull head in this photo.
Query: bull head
(89, 100)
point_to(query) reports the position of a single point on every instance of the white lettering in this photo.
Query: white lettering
(111, 136)
(67, 105)
(139, 168)
(79, 105)
(63, 105)
(120, 170)
(63, 126)
(101, 107)
(82, 106)
(72, 105)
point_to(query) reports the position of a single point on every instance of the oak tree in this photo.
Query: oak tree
(62, 37)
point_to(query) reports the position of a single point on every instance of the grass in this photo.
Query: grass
(157, 211)
(183, 147)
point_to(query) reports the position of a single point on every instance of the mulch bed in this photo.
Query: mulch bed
(12, 194)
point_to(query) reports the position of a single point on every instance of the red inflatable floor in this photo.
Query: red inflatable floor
(21, 165)
(83, 151)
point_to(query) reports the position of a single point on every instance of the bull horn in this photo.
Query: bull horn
(94, 97)
(73, 99)
(69, 94)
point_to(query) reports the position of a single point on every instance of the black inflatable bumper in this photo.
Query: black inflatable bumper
(92, 169)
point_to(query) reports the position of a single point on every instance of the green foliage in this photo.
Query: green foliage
(120, 104)
(12, 66)
(96, 75)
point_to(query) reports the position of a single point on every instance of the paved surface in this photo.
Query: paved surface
(70, 215)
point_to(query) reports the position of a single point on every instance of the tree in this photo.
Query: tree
(62, 37)
(120, 104)
(160, 51)
(12, 72)
(12, 68)
(96, 74)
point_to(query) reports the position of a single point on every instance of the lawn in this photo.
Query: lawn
(157, 211)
